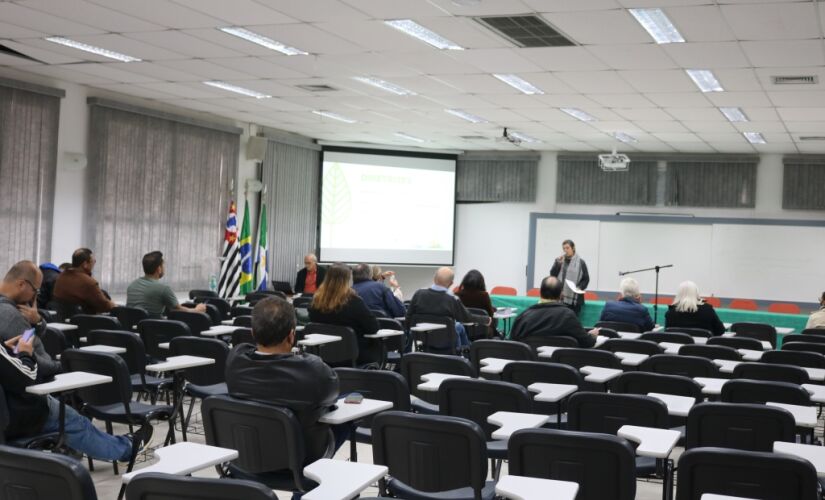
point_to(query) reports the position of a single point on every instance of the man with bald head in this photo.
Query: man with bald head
(18, 311)
(438, 300)
(551, 317)
(310, 276)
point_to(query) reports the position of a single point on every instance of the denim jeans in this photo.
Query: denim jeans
(83, 436)
(461, 336)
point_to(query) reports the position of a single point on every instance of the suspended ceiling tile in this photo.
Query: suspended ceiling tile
(184, 44)
(647, 56)
(238, 12)
(599, 27)
(162, 13)
(773, 21)
(710, 55)
(563, 59)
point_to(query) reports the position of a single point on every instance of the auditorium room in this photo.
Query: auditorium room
(412, 249)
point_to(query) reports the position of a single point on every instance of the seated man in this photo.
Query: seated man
(50, 274)
(310, 276)
(31, 415)
(628, 309)
(150, 294)
(817, 318)
(75, 286)
(439, 301)
(551, 317)
(269, 372)
(374, 293)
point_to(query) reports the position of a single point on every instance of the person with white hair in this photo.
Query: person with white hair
(628, 309)
(690, 311)
(309, 277)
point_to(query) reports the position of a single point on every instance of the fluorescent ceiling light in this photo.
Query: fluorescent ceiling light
(519, 84)
(381, 84)
(704, 79)
(408, 137)
(111, 54)
(414, 29)
(658, 25)
(734, 114)
(263, 41)
(579, 114)
(466, 116)
(236, 89)
(522, 137)
(334, 116)
(625, 138)
(754, 138)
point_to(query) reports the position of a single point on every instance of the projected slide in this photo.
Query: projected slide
(387, 209)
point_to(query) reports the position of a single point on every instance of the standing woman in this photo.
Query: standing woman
(569, 266)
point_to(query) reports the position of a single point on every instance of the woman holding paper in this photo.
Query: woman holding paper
(570, 268)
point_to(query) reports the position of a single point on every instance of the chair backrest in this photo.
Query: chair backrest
(158, 486)
(441, 341)
(88, 322)
(796, 358)
(244, 321)
(737, 343)
(197, 321)
(813, 331)
(214, 313)
(135, 355)
(54, 341)
(534, 292)
(158, 331)
(222, 305)
(302, 302)
(241, 311)
(341, 353)
(747, 474)
(710, 352)
(804, 346)
(603, 465)
(742, 426)
(805, 336)
(619, 326)
(36, 475)
(205, 348)
(693, 332)
(784, 308)
(537, 341)
(119, 390)
(608, 332)
(758, 331)
(578, 358)
(634, 346)
(525, 373)
(606, 413)
(644, 383)
(242, 336)
(672, 337)
(267, 437)
(129, 317)
(477, 331)
(393, 343)
(193, 294)
(430, 453)
(383, 385)
(503, 290)
(504, 349)
(64, 311)
(761, 392)
(675, 364)
(771, 372)
(415, 364)
(746, 304)
(476, 399)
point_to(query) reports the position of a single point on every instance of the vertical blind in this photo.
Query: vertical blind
(28, 166)
(291, 176)
(157, 184)
(487, 177)
(803, 185)
(708, 183)
(581, 181)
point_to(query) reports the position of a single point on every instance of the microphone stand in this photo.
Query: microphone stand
(656, 296)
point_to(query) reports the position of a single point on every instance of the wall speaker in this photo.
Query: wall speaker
(256, 148)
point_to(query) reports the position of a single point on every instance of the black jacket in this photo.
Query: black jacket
(704, 317)
(550, 318)
(47, 286)
(440, 303)
(301, 278)
(26, 412)
(301, 382)
(357, 316)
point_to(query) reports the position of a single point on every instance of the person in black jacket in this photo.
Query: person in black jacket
(270, 373)
(336, 303)
(310, 277)
(31, 415)
(689, 311)
(551, 317)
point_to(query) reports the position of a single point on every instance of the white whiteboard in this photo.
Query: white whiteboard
(725, 259)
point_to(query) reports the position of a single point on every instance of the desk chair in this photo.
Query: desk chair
(619, 326)
(36, 475)
(441, 341)
(741, 426)
(415, 364)
(758, 331)
(154, 332)
(504, 349)
(201, 381)
(808, 335)
(54, 341)
(804, 346)
(676, 364)
(795, 358)
(693, 332)
(761, 392)
(394, 347)
(243, 321)
(672, 337)
(737, 343)
(242, 336)
(345, 352)
(634, 346)
(193, 294)
(88, 322)
(129, 317)
(710, 352)
(526, 373)
(537, 341)
(577, 358)
(157, 486)
(197, 321)
(771, 372)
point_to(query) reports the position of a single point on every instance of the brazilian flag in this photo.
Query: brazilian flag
(246, 285)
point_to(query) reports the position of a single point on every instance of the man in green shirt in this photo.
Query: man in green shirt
(150, 294)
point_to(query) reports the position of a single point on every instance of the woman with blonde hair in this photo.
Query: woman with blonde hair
(690, 311)
(336, 303)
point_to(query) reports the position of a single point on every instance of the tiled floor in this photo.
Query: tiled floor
(108, 484)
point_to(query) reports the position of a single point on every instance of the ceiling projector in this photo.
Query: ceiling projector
(614, 162)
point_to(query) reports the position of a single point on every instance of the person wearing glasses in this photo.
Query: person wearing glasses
(18, 312)
(75, 286)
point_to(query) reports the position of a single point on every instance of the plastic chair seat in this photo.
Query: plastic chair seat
(497, 449)
(155, 383)
(423, 407)
(401, 490)
(277, 480)
(116, 412)
(363, 435)
(645, 466)
(204, 391)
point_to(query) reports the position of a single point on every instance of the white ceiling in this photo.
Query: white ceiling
(616, 73)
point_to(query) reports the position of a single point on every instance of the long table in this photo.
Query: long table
(592, 310)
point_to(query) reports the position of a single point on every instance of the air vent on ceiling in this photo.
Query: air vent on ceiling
(812, 137)
(317, 88)
(473, 137)
(526, 31)
(795, 80)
